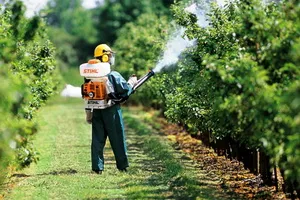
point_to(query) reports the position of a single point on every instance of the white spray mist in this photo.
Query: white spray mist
(174, 47)
(177, 43)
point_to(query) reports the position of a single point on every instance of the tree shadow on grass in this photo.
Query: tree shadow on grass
(68, 171)
(174, 186)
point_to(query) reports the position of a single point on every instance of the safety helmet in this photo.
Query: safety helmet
(104, 53)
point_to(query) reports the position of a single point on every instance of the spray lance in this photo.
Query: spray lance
(139, 82)
(142, 80)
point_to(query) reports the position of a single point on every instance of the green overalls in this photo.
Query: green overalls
(108, 122)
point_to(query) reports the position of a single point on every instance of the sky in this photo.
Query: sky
(34, 6)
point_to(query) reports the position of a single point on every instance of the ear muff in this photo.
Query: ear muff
(105, 58)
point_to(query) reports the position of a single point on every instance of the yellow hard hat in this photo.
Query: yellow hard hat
(103, 51)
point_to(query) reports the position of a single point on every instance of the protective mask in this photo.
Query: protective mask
(112, 60)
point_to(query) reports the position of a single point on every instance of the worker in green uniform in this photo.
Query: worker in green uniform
(108, 122)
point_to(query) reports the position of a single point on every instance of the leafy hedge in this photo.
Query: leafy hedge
(28, 78)
(242, 78)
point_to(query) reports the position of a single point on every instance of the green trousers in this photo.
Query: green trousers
(108, 123)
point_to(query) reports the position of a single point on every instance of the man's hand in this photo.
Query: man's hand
(89, 116)
(132, 81)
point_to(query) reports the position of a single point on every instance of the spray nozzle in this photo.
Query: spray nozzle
(151, 72)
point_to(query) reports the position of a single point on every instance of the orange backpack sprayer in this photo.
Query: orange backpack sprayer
(96, 87)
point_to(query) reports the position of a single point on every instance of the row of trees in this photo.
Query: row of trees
(245, 69)
(28, 78)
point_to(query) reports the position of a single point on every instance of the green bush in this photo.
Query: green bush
(28, 78)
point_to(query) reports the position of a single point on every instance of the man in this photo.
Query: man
(107, 121)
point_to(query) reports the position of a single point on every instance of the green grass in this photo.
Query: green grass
(156, 170)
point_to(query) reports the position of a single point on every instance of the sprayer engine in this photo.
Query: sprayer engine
(96, 86)
(94, 90)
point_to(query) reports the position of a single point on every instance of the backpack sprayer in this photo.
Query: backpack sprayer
(97, 88)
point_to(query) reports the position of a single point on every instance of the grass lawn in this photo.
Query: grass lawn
(156, 171)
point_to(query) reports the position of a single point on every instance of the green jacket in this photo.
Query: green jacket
(121, 87)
